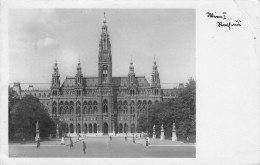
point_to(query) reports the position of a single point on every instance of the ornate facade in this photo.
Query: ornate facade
(102, 104)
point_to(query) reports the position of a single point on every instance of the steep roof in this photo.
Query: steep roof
(141, 81)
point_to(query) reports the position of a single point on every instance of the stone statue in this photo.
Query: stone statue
(173, 126)
(37, 137)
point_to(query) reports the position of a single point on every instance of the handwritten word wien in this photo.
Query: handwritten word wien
(223, 20)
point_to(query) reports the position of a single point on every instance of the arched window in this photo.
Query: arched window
(105, 107)
(125, 107)
(95, 107)
(139, 106)
(66, 110)
(85, 107)
(120, 107)
(54, 108)
(149, 105)
(71, 110)
(132, 107)
(144, 106)
(90, 107)
(78, 105)
(104, 72)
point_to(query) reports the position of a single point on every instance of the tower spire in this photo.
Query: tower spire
(131, 73)
(105, 56)
(104, 21)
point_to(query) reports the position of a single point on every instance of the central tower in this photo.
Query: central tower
(104, 57)
(105, 86)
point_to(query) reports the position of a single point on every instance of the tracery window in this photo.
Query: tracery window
(105, 106)
(104, 72)
(125, 107)
(95, 107)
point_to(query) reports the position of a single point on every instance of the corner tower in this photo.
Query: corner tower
(104, 57)
(155, 82)
(55, 83)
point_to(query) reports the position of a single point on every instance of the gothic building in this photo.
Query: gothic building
(103, 104)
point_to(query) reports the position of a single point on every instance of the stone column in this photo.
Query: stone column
(174, 137)
(162, 133)
(153, 131)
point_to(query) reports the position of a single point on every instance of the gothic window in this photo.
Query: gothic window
(78, 105)
(139, 106)
(95, 110)
(66, 110)
(90, 107)
(71, 110)
(132, 92)
(120, 107)
(105, 106)
(95, 107)
(61, 110)
(54, 108)
(104, 72)
(125, 107)
(71, 103)
(85, 107)
(144, 106)
(149, 105)
(132, 107)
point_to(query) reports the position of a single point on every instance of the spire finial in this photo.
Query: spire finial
(104, 21)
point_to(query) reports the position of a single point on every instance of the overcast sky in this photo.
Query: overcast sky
(37, 37)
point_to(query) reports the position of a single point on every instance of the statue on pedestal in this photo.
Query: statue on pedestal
(57, 131)
(174, 137)
(62, 141)
(153, 131)
(37, 137)
(162, 133)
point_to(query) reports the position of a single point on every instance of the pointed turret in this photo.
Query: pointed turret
(79, 75)
(131, 74)
(155, 82)
(155, 76)
(55, 83)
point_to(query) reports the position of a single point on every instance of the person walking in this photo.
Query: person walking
(71, 143)
(84, 147)
(133, 139)
(38, 143)
(125, 138)
(147, 143)
(110, 138)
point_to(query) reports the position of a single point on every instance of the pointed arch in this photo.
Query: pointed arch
(105, 106)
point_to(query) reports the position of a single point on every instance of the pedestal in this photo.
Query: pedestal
(37, 136)
(153, 131)
(162, 135)
(174, 137)
(62, 141)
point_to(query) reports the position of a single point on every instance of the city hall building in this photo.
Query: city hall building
(103, 104)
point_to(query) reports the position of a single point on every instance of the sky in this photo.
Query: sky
(39, 37)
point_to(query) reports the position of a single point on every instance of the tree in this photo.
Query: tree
(142, 123)
(180, 110)
(63, 127)
(25, 113)
(12, 100)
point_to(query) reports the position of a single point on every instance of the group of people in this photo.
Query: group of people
(110, 137)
